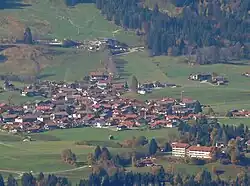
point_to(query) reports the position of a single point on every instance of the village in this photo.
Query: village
(99, 103)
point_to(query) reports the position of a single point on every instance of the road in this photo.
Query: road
(131, 50)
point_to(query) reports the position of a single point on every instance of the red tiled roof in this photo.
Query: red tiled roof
(130, 116)
(96, 73)
(180, 145)
(200, 148)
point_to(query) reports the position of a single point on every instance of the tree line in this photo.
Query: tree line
(198, 27)
(158, 177)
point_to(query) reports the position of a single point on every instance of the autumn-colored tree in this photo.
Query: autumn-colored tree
(91, 159)
(233, 156)
(213, 136)
(214, 170)
(210, 111)
(68, 156)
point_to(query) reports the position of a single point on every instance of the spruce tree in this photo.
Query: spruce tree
(98, 152)
(1, 180)
(153, 147)
(27, 36)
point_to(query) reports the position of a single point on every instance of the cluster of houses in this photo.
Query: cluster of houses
(208, 77)
(148, 87)
(113, 45)
(95, 103)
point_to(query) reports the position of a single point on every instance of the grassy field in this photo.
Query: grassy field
(43, 154)
(52, 19)
(235, 121)
(175, 70)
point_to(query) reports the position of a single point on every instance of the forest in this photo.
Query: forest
(203, 26)
(158, 178)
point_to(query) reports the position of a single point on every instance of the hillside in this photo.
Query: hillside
(49, 20)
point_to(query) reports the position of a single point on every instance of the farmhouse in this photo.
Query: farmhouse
(200, 77)
(95, 76)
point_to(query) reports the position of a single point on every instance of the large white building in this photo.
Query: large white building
(201, 152)
(184, 149)
(179, 149)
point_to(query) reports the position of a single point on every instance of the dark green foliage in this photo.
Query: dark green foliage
(27, 39)
(152, 149)
(134, 84)
(98, 152)
(195, 27)
(1, 180)
(167, 147)
(28, 180)
(11, 181)
(197, 107)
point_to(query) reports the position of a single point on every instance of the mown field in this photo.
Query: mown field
(52, 19)
(235, 95)
(49, 20)
(44, 153)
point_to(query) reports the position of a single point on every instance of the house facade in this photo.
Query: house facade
(200, 152)
(179, 149)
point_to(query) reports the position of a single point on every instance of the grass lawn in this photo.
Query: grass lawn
(52, 19)
(72, 65)
(175, 70)
(78, 134)
(235, 121)
(44, 154)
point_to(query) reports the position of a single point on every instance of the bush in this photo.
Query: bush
(225, 161)
(196, 161)
(100, 143)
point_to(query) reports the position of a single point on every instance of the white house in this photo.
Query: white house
(201, 152)
(179, 149)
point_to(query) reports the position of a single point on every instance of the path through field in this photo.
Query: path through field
(20, 173)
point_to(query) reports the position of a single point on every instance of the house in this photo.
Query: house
(201, 77)
(179, 149)
(43, 118)
(59, 115)
(95, 76)
(201, 152)
(102, 84)
(9, 118)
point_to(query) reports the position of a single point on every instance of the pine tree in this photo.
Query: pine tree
(1, 180)
(27, 36)
(11, 181)
(153, 147)
(98, 152)
(134, 84)
(197, 107)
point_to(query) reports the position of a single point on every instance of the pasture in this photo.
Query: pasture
(52, 19)
(44, 153)
(175, 70)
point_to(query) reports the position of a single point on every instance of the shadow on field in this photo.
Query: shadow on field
(42, 76)
(12, 4)
(2, 59)
(120, 65)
